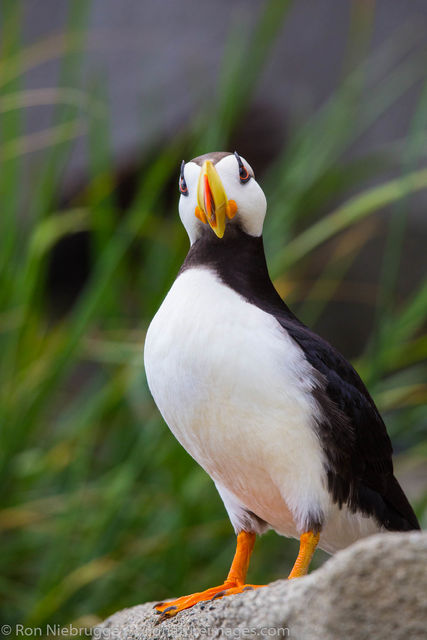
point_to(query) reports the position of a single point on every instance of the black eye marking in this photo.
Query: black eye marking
(243, 172)
(182, 184)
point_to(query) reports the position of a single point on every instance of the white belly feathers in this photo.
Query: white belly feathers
(235, 390)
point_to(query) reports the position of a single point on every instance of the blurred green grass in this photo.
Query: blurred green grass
(100, 507)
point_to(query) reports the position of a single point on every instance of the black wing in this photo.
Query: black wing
(353, 434)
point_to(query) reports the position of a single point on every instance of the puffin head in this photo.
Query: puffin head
(219, 189)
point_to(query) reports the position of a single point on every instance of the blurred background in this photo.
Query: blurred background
(100, 507)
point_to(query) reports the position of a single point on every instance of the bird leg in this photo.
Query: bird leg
(234, 583)
(307, 547)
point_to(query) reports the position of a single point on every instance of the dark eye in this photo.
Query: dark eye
(244, 174)
(182, 184)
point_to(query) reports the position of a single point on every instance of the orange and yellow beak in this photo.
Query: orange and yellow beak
(213, 206)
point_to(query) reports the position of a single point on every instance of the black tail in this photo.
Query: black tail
(401, 514)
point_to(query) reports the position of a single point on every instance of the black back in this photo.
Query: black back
(352, 432)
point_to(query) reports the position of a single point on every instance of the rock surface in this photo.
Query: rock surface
(375, 589)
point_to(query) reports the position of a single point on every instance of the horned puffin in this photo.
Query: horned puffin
(273, 413)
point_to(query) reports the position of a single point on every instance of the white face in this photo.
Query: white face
(248, 196)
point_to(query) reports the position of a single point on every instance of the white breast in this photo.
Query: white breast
(235, 390)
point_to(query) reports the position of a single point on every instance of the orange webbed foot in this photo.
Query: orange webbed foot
(234, 583)
(169, 609)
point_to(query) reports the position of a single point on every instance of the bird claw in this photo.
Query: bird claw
(166, 614)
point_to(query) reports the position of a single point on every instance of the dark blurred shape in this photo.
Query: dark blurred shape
(260, 136)
(68, 270)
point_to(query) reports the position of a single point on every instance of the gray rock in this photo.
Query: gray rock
(375, 589)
